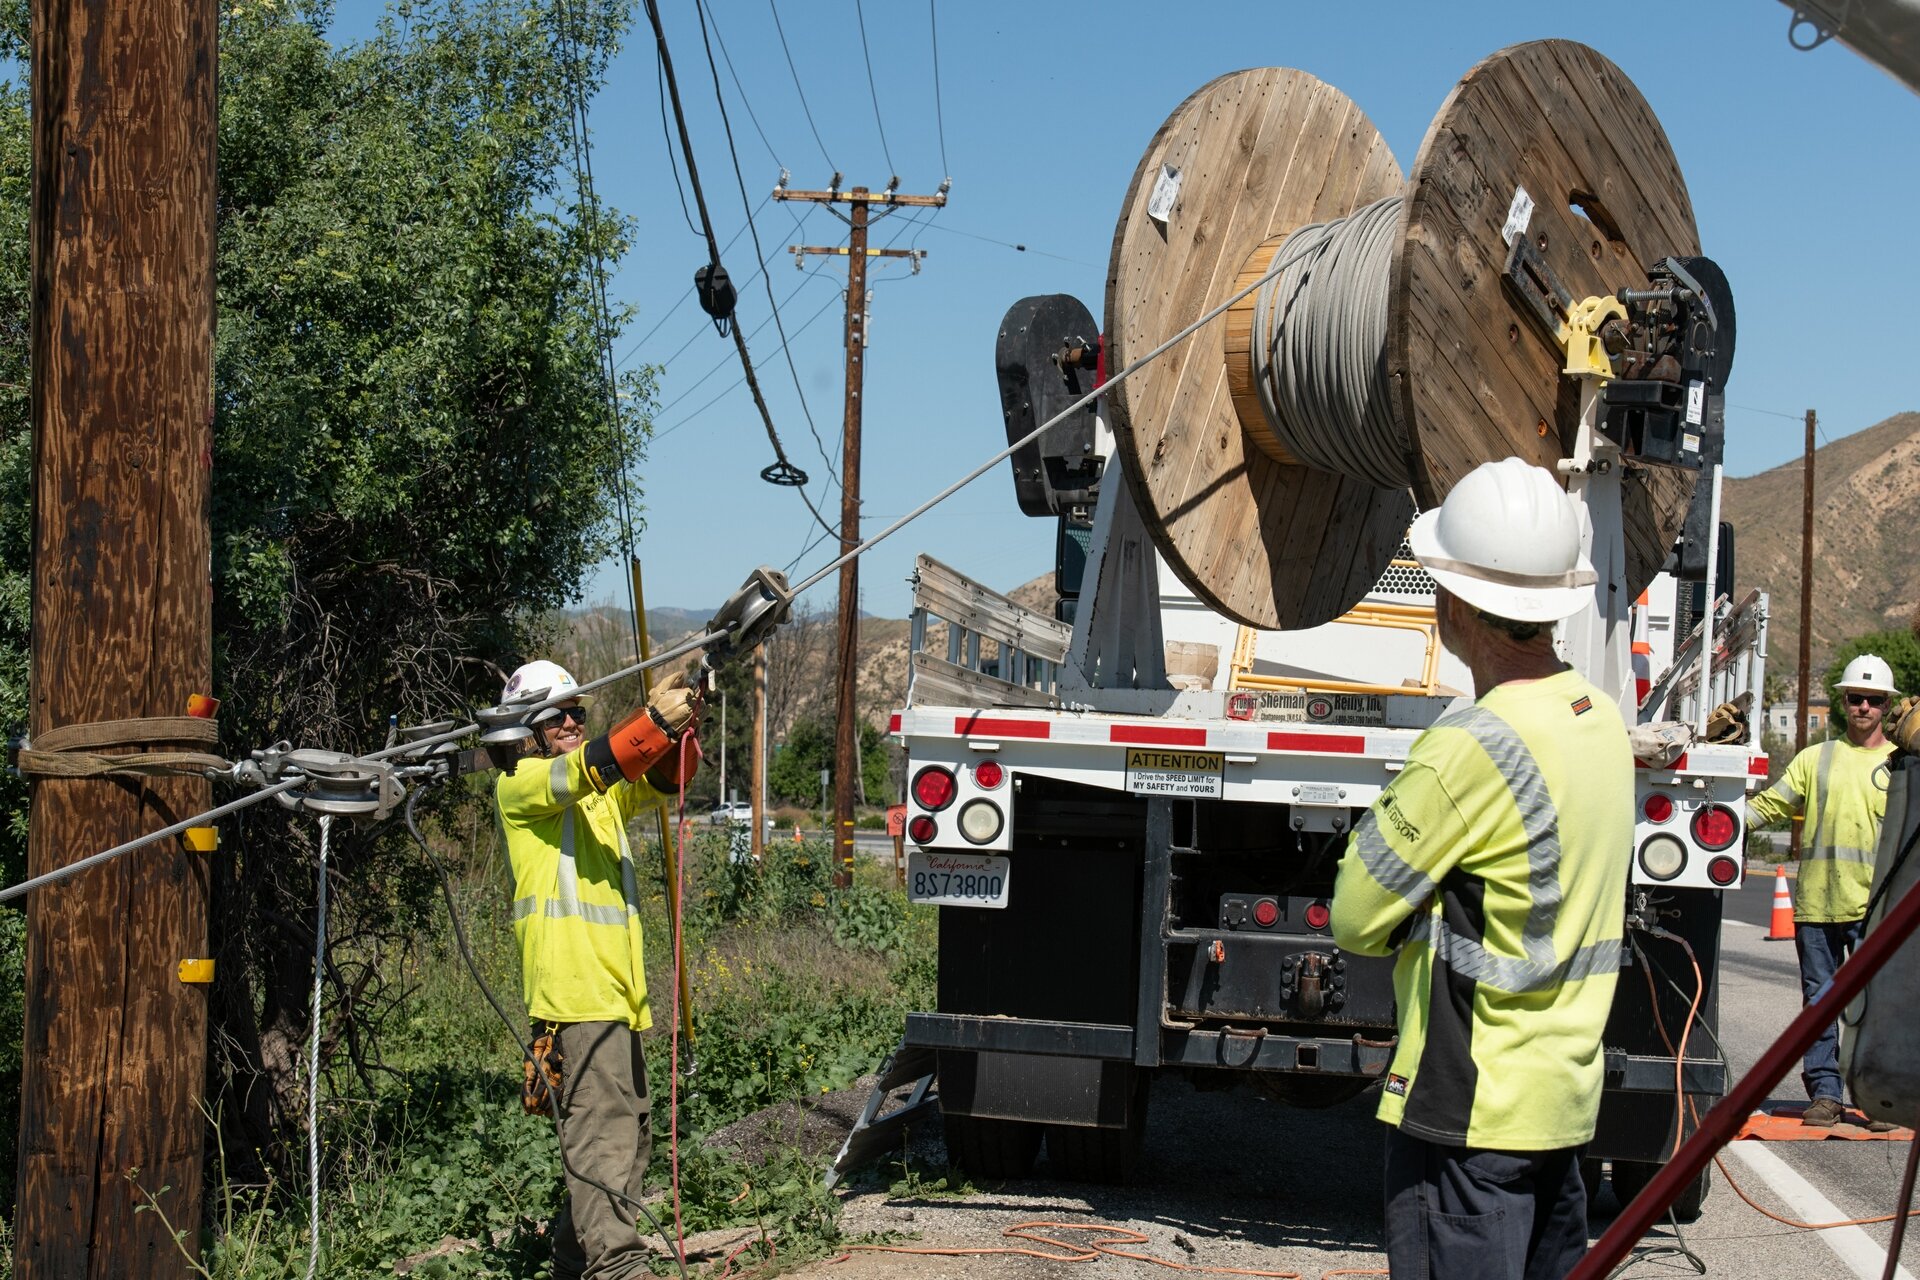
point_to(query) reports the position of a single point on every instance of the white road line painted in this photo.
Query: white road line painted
(1742, 924)
(1853, 1246)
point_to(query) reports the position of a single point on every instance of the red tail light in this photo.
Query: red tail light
(934, 787)
(1266, 913)
(1318, 916)
(923, 829)
(988, 774)
(1723, 871)
(1715, 827)
(1657, 808)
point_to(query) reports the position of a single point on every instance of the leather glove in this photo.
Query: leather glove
(1903, 724)
(1727, 723)
(675, 704)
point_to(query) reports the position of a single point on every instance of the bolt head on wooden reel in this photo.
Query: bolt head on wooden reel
(1256, 155)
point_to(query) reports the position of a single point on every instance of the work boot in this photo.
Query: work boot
(1824, 1113)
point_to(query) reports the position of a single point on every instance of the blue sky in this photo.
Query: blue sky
(1802, 168)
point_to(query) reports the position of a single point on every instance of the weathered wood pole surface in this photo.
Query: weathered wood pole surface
(122, 402)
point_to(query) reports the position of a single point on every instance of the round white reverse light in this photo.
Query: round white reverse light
(980, 821)
(1663, 857)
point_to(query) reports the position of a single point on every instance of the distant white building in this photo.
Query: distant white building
(1780, 717)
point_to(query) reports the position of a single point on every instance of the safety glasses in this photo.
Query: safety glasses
(1866, 699)
(578, 715)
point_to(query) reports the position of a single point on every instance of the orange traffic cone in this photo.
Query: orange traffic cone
(1781, 929)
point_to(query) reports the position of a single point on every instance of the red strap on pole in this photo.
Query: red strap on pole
(1719, 1125)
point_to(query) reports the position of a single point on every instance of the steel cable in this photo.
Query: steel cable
(313, 1058)
(1319, 347)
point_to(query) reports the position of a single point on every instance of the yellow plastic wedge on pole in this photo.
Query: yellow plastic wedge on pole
(200, 971)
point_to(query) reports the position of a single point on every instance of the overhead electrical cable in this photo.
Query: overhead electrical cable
(781, 471)
(691, 387)
(666, 136)
(759, 254)
(578, 129)
(675, 308)
(939, 116)
(874, 90)
(805, 325)
(1006, 244)
(804, 108)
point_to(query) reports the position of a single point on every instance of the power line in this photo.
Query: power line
(727, 360)
(808, 111)
(666, 431)
(861, 17)
(781, 471)
(673, 161)
(939, 117)
(1014, 245)
(760, 256)
(675, 308)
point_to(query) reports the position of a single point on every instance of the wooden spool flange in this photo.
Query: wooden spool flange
(1275, 544)
(1263, 540)
(1473, 377)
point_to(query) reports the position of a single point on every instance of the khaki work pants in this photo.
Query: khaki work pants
(604, 1124)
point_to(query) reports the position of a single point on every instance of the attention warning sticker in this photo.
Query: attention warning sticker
(1169, 771)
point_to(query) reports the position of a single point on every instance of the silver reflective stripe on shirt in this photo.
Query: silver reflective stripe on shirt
(1471, 959)
(1539, 822)
(565, 903)
(1393, 872)
(557, 780)
(1837, 853)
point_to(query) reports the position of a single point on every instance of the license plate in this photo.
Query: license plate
(1167, 771)
(957, 879)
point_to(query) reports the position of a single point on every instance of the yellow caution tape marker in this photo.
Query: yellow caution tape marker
(196, 971)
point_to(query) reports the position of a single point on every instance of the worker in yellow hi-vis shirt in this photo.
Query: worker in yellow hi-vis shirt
(563, 811)
(1495, 864)
(1839, 789)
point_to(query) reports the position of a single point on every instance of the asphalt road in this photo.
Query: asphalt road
(1236, 1180)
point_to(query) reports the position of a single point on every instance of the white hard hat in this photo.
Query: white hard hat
(1507, 540)
(530, 678)
(1868, 672)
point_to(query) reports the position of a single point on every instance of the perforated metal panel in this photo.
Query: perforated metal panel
(1403, 577)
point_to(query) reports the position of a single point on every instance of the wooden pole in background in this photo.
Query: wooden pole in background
(846, 741)
(122, 404)
(760, 751)
(1804, 670)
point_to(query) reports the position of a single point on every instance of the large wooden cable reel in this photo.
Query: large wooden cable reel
(1275, 543)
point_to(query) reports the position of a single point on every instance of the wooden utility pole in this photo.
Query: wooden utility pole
(846, 743)
(1805, 669)
(760, 752)
(122, 407)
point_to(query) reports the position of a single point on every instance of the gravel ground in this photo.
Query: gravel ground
(1230, 1180)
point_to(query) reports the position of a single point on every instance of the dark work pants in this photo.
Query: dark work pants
(604, 1122)
(1823, 948)
(1487, 1215)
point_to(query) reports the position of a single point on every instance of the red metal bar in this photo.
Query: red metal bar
(1719, 1125)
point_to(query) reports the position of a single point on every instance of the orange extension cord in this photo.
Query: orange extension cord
(1699, 990)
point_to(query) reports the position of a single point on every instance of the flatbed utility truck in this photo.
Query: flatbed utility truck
(1131, 812)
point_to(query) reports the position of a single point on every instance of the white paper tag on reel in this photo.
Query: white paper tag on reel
(1519, 214)
(1166, 190)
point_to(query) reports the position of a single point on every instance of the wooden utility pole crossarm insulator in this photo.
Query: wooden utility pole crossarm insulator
(122, 409)
(846, 745)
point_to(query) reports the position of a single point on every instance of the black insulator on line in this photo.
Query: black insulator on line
(717, 295)
(784, 474)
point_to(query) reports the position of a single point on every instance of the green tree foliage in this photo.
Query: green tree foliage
(1900, 649)
(794, 772)
(413, 464)
(16, 456)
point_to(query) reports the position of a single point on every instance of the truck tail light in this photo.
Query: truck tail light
(934, 787)
(923, 829)
(1723, 870)
(1715, 827)
(988, 774)
(1318, 916)
(980, 821)
(1663, 857)
(1657, 807)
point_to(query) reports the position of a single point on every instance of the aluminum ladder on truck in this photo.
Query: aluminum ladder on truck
(873, 1133)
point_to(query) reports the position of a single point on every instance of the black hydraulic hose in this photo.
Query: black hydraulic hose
(526, 1048)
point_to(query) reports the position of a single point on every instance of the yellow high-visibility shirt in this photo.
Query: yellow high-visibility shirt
(1496, 864)
(1840, 791)
(576, 892)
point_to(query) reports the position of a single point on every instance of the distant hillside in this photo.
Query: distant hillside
(1866, 546)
